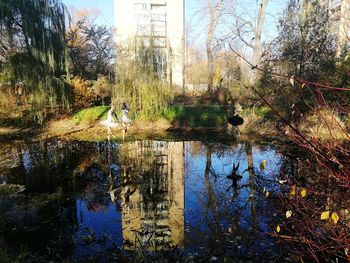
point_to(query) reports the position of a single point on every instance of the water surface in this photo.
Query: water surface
(91, 199)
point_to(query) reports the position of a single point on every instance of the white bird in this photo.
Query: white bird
(124, 119)
(109, 122)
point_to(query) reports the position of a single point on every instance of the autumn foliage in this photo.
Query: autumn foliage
(83, 95)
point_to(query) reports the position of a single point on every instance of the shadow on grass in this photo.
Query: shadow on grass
(196, 116)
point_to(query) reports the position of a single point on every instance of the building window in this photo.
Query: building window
(142, 19)
(158, 8)
(159, 42)
(159, 28)
(140, 6)
(158, 17)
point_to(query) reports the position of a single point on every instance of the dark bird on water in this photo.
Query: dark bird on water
(235, 120)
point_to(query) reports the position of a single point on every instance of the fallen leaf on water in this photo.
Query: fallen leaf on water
(303, 193)
(325, 215)
(278, 228)
(288, 214)
(267, 194)
(262, 165)
(282, 181)
(335, 217)
(292, 192)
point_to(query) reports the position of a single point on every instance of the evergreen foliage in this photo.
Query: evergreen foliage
(306, 46)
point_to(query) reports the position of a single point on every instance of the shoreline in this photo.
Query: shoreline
(66, 128)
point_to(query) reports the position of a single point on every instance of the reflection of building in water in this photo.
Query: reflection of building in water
(152, 194)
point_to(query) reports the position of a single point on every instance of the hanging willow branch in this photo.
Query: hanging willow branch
(33, 50)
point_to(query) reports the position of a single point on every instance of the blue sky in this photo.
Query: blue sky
(198, 28)
(107, 15)
(106, 8)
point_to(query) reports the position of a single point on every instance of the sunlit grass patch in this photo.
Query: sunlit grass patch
(257, 120)
(91, 114)
(204, 116)
(324, 124)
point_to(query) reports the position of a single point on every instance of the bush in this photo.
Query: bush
(102, 87)
(7, 101)
(83, 95)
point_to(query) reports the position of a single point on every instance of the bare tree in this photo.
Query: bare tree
(247, 29)
(258, 31)
(215, 10)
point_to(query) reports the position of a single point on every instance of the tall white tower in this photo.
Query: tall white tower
(163, 21)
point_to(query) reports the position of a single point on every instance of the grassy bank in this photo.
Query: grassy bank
(201, 119)
(177, 116)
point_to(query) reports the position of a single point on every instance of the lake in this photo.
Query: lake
(106, 201)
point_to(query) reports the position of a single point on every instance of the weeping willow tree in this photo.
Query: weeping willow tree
(142, 78)
(33, 51)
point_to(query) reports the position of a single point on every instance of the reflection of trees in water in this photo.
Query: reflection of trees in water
(51, 171)
(149, 187)
(65, 166)
(94, 185)
(230, 218)
(43, 224)
(97, 176)
(42, 167)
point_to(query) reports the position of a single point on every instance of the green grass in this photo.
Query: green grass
(262, 111)
(179, 116)
(198, 116)
(91, 114)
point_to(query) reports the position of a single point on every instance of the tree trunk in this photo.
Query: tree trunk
(257, 35)
(214, 12)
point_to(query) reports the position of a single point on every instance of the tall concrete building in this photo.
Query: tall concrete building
(339, 12)
(160, 23)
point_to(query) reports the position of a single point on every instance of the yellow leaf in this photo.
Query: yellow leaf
(267, 194)
(303, 193)
(325, 215)
(262, 165)
(278, 228)
(292, 192)
(288, 214)
(335, 217)
(303, 86)
(291, 80)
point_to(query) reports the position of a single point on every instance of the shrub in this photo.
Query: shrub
(7, 101)
(102, 87)
(83, 95)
